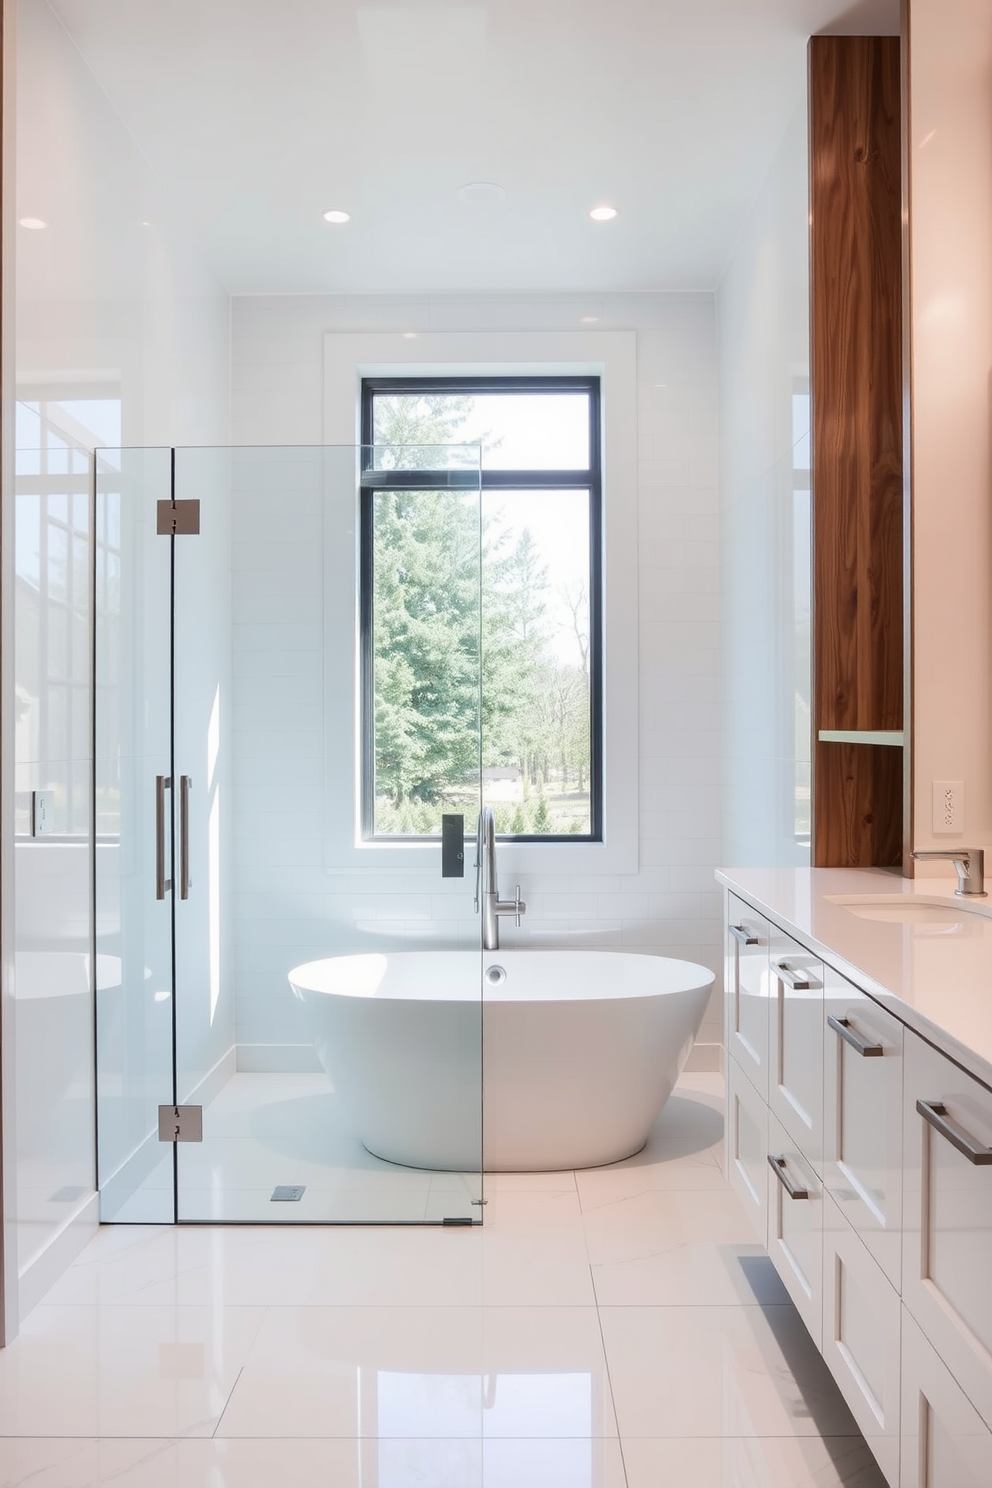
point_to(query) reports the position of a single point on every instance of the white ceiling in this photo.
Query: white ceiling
(260, 114)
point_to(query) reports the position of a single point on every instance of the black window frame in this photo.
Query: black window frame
(372, 480)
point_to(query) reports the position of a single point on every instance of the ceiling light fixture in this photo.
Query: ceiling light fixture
(589, 319)
(33, 222)
(603, 214)
(481, 193)
(336, 216)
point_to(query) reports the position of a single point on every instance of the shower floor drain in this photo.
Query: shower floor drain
(288, 1193)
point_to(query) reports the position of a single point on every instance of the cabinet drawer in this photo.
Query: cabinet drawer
(795, 1226)
(747, 1147)
(747, 992)
(861, 1314)
(945, 1443)
(947, 1216)
(862, 1118)
(795, 1045)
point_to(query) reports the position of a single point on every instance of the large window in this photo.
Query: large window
(538, 647)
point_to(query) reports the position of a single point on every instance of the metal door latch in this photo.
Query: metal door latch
(180, 1123)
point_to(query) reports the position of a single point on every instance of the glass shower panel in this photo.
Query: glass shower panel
(329, 981)
(133, 973)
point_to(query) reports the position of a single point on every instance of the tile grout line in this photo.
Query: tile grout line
(609, 1376)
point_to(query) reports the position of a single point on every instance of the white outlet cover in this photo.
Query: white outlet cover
(948, 807)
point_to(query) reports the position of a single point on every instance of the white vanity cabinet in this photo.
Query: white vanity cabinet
(795, 1044)
(795, 1226)
(747, 1147)
(861, 1336)
(862, 1118)
(945, 1442)
(747, 992)
(947, 1216)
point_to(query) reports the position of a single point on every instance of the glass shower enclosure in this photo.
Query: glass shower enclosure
(287, 709)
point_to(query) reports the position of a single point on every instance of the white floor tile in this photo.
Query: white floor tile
(123, 1371)
(453, 1373)
(719, 1371)
(750, 1462)
(426, 1357)
(313, 1463)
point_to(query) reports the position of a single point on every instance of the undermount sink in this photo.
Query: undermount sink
(902, 910)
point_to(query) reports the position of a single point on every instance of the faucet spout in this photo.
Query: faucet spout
(486, 886)
(969, 864)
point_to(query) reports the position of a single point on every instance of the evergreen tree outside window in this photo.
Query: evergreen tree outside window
(541, 652)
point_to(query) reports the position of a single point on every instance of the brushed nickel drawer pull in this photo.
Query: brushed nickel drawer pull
(740, 933)
(798, 981)
(935, 1113)
(842, 1027)
(778, 1167)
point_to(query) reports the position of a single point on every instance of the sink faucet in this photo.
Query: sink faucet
(970, 865)
(486, 889)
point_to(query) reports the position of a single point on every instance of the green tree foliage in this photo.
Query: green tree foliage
(434, 688)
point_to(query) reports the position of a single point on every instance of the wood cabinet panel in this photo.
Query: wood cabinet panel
(856, 379)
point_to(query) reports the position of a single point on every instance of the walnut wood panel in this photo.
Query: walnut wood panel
(859, 806)
(856, 380)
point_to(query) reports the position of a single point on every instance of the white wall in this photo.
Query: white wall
(763, 332)
(950, 161)
(110, 301)
(289, 906)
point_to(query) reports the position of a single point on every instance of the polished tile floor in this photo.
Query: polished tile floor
(613, 1328)
(267, 1131)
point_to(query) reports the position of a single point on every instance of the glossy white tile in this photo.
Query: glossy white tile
(750, 1462)
(450, 1372)
(132, 1370)
(719, 1371)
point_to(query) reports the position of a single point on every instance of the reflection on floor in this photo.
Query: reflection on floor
(613, 1328)
(268, 1131)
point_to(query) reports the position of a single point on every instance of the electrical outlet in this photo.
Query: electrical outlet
(948, 806)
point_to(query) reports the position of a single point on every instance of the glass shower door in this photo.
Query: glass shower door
(328, 975)
(133, 972)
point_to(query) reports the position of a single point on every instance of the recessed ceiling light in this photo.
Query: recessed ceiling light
(589, 319)
(603, 214)
(337, 216)
(33, 222)
(409, 335)
(481, 193)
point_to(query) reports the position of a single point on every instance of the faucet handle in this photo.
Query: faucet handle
(520, 906)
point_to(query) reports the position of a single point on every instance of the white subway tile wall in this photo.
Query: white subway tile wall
(288, 907)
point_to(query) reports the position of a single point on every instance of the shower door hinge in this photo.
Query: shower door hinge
(177, 518)
(180, 1123)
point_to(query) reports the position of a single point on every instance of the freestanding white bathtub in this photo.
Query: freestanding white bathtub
(579, 1051)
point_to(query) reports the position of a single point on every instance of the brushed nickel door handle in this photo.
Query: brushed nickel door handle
(162, 784)
(185, 786)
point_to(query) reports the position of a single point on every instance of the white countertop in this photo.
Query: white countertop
(935, 975)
